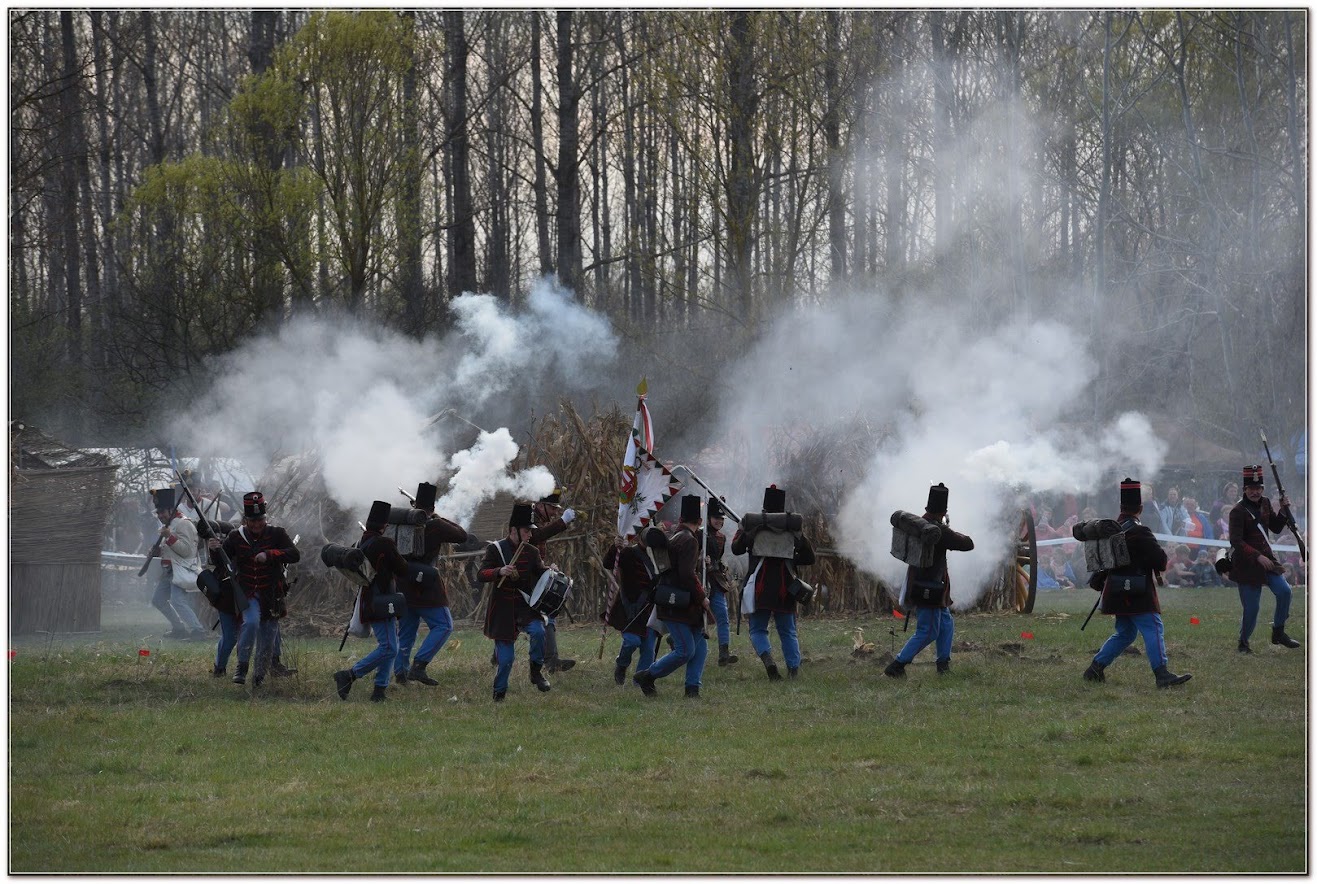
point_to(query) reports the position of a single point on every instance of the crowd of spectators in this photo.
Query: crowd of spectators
(1176, 511)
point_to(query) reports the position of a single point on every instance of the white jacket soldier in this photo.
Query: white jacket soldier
(178, 547)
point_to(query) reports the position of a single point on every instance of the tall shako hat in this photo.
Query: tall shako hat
(163, 499)
(937, 499)
(690, 508)
(1253, 476)
(716, 508)
(425, 495)
(379, 515)
(775, 499)
(555, 496)
(253, 505)
(521, 516)
(1131, 495)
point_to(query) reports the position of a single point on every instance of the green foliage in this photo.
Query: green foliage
(1010, 763)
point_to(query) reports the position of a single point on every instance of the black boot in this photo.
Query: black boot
(418, 674)
(619, 674)
(693, 690)
(240, 677)
(725, 657)
(1243, 647)
(1278, 637)
(793, 671)
(943, 667)
(770, 667)
(499, 695)
(646, 683)
(343, 680)
(895, 669)
(537, 678)
(400, 676)
(552, 661)
(217, 671)
(378, 695)
(279, 670)
(1166, 678)
(1095, 672)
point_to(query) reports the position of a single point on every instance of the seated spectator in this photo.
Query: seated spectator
(1057, 567)
(1174, 514)
(1179, 566)
(1204, 569)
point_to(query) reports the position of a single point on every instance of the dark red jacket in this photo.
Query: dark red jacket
(718, 578)
(432, 593)
(631, 605)
(683, 557)
(950, 540)
(1146, 556)
(508, 611)
(774, 577)
(390, 571)
(263, 580)
(1248, 540)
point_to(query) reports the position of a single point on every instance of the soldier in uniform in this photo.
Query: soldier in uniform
(390, 570)
(428, 599)
(513, 565)
(258, 552)
(933, 621)
(551, 520)
(772, 579)
(178, 544)
(1252, 563)
(685, 625)
(719, 580)
(1130, 594)
(630, 610)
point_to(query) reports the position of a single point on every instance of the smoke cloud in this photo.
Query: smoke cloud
(357, 400)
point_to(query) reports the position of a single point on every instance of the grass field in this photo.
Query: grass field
(122, 763)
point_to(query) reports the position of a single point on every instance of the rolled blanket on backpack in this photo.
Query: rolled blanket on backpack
(1096, 529)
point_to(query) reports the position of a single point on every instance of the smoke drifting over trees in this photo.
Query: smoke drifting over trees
(1000, 236)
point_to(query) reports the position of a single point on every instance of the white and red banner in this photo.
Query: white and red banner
(645, 484)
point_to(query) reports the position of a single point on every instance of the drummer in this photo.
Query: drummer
(513, 565)
(551, 520)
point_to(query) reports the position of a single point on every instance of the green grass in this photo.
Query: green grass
(1010, 763)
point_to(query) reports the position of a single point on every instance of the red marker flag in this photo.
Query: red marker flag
(897, 614)
(143, 652)
(1193, 621)
(13, 654)
(1026, 635)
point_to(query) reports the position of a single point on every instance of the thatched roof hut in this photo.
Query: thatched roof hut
(59, 498)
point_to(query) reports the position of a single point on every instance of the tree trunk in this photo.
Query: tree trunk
(462, 232)
(541, 185)
(569, 172)
(742, 180)
(72, 150)
(832, 137)
(411, 280)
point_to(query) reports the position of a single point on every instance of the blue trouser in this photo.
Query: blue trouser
(257, 633)
(440, 622)
(718, 602)
(1128, 628)
(506, 652)
(173, 603)
(1250, 596)
(228, 639)
(931, 625)
(631, 641)
(786, 632)
(380, 659)
(689, 648)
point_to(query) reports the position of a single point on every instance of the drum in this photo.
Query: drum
(551, 593)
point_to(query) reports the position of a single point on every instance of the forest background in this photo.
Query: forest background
(180, 180)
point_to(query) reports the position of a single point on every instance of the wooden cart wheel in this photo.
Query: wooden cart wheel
(1026, 564)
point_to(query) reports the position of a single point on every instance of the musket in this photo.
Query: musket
(1285, 510)
(151, 554)
(210, 532)
(410, 499)
(1094, 611)
(698, 481)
